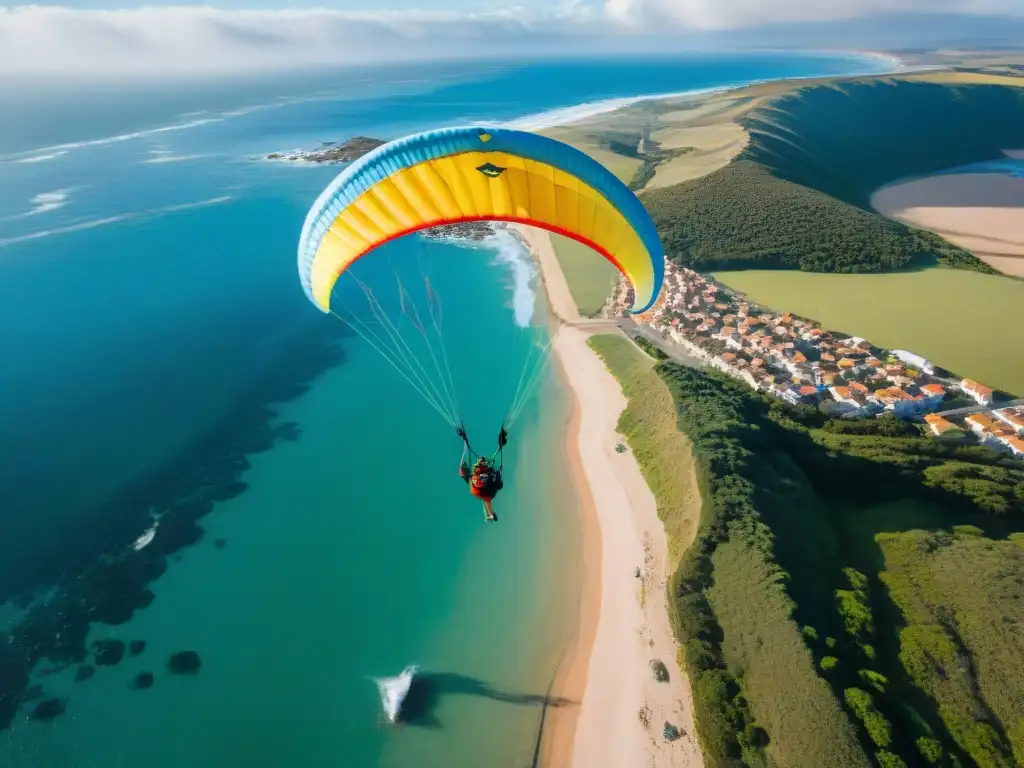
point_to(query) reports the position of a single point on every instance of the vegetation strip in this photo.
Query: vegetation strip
(837, 606)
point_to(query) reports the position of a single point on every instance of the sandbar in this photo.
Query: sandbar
(982, 212)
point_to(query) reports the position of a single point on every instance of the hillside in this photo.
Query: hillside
(798, 195)
(851, 597)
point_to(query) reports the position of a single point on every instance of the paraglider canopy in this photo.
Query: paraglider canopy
(477, 173)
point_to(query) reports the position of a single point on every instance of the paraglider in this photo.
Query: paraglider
(469, 174)
(485, 478)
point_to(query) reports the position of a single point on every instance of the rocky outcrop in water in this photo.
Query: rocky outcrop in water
(135, 647)
(474, 231)
(329, 152)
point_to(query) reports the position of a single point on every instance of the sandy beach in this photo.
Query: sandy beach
(623, 627)
(982, 212)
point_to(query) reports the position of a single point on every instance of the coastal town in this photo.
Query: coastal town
(794, 359)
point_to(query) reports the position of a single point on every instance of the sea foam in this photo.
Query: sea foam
(393, 691)
(511, 252)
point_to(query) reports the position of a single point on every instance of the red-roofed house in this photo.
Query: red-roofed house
(981, 393)
(938, 425)
(1012, 416)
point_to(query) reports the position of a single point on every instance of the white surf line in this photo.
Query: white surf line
(94, 223)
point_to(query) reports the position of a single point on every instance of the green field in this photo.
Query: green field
(590, 276)
(964, 321)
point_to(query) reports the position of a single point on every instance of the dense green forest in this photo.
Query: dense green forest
(853, 596)
(799, 195)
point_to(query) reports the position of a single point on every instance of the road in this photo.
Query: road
(676, 352)
(980, 408)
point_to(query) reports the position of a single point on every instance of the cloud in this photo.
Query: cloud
(52, 40)
(200, 40)
(705, 15)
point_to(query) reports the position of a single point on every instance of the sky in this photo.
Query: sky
(96, 38)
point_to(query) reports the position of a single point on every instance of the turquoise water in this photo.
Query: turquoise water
(161, 363)
(1005, 166)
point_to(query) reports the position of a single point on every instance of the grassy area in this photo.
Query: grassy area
(815, 613)
(590, 276)
(967, 78)
(798, 196)
(594, 141)
(959, 596)
(963, 321)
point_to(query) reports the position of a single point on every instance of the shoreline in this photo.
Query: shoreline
(568, 115)
(980, 212)
(624, 621)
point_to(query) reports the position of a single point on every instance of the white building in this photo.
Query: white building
(1012, 416)
(915, 360)
(981, 394)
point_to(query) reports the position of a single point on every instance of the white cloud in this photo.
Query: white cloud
(177, 40)
(42, 40)
(705, 15)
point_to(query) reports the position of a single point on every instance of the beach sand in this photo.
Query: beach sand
(982, 212)
(608, 674)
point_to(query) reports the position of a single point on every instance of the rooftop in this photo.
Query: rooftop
(974, 386)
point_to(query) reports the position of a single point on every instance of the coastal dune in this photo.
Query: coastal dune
(982, 212)
(610, 674)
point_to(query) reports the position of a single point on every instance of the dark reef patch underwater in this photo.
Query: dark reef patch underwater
(184, 663)
(98, 577)
(142, 681)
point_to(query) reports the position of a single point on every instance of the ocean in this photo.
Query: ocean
(196, 458)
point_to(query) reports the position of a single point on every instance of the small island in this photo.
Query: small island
(330, 152)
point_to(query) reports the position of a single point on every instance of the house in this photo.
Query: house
(980, 424)
(808, 391)
(874, 362)
(844, 395)
(791, 395)
(856, 386)
(934, 391)
(916, 361)
(981, 394)
(895, 400)
(938, 425)
(1015, 444)
(1012, 416)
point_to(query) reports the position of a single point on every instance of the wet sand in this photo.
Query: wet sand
(982, 212)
